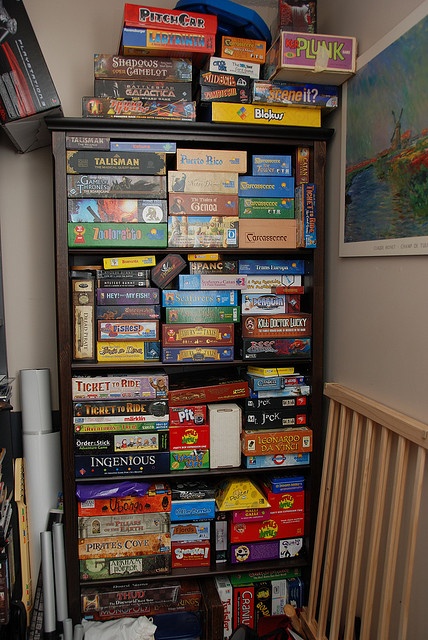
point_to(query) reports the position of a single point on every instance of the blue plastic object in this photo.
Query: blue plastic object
(233, 19)
(183, 625)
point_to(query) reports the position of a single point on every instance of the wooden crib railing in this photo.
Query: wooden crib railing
(365, 539)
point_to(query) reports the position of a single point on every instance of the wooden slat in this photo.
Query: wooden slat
(345, 529)
(325, 500)
(334, 523)
(393, 536)
(361, 521)
(409, 553)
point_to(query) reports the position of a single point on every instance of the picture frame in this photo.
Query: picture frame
(384, 146)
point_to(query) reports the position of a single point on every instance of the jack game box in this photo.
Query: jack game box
(289, 417)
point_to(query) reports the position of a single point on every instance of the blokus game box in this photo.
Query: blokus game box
(27, 92)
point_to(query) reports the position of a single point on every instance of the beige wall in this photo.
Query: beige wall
(376, 308)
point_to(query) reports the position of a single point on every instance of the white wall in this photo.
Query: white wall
(377, 308)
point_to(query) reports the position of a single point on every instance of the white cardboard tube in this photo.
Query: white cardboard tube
(36, 405)
(49, 619)
(60, 572)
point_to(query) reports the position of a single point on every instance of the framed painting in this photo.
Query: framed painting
(384, 182)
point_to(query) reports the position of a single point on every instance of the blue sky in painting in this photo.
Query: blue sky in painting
(395, 79)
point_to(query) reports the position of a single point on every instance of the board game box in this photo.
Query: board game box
(180, 109)
(115, 186)
(118, 67)
(202, 204)
(116, 210)
(203, 231)
(84, 161)
(144, 90)
(197, 334)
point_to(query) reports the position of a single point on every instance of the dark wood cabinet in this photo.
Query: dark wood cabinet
(253, 139)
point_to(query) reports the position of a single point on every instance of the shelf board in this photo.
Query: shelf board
(217, 569)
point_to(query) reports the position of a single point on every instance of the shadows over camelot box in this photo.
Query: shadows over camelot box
(27, 93)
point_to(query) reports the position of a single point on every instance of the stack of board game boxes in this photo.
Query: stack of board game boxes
(178, 65)
(151, 75)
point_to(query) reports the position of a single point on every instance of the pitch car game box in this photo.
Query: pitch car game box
(27, 92)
